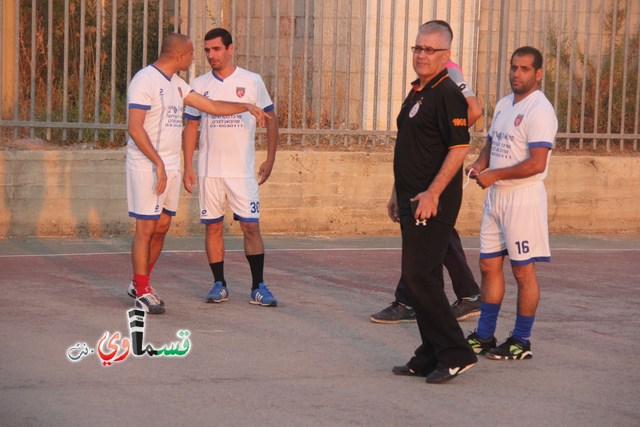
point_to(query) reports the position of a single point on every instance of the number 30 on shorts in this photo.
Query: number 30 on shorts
(255, 207)
(523, 247)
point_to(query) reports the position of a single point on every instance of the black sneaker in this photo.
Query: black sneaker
(395, 313)
(149, 303)
(480, 346)
(466, 308)
(511, 349)
(442, 375)
(407, 371)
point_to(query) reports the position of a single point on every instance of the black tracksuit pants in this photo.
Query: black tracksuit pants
(455, 261)
(423, 252)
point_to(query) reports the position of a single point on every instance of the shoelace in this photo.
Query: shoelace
(468, 179)
(152, 299)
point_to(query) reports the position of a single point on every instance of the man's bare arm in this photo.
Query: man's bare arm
(428, 200)
(264, 172)
(474, 110)
(142, 141)
(189, 142)
(536, 163)
(223, 108)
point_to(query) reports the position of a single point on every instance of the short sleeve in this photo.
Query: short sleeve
(542, 125)
(263, 99)
(192, 113)
(456, 75)
(139, 94)
(185, 88)
(453, 121)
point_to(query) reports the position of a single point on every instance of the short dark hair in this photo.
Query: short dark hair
(222, 33)
(441, 23)
(528, 50)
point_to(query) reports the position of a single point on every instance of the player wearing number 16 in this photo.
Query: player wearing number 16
(513, 165)
(226, 163)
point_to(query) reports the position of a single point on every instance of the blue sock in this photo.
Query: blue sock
(522, 329)
(488, 320)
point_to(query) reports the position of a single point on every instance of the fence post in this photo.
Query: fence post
(7, 72)
(503, 43)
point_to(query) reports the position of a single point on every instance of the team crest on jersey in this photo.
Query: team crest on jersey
(240, 92)
(414, 110)
(518, 120)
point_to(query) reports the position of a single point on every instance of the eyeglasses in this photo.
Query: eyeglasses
(426, 49)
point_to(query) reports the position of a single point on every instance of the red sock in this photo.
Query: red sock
(133, 279)
(141, 283)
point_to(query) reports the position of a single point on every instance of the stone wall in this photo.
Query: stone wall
(82, 193)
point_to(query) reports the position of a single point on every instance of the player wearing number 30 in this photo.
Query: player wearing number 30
(513, 165)
(226, 162)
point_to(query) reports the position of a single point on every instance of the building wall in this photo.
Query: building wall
(82, 193)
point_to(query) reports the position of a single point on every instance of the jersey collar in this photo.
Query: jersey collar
(415, 85)
(217, 77)
(160, 71)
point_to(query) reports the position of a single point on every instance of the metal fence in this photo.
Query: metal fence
(337, 69)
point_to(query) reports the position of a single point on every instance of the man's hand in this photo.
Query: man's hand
(427, 205)
(161, 176)
(475, 170)
(486, 179)
(264, 172)
(259, 114)
(189, 180)
(392, 208)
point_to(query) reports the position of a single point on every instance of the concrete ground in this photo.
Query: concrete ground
(316, 359)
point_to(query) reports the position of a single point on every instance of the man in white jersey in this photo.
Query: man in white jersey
(226, 162)
(513, 165)
(156, 96)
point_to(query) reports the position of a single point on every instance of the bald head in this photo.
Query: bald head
(176, 53)
(174, 43)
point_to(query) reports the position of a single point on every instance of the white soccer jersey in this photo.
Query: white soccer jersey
(516, 128)
(163, 99)
(227, 147)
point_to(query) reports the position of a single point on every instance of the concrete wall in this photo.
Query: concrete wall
(82, 193)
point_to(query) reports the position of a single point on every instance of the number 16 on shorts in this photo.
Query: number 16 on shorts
(523, 246)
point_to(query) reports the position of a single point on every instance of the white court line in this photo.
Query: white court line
(305, 250)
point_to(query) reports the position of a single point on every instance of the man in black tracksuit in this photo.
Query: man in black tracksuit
(432, 143)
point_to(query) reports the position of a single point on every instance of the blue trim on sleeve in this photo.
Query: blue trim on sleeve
(540, 144)
(494, 254)
(211, 221)
(269, 108)
(138, 216)
(531, 260)
(140, 106)
(191, 117)
(489, 138)
(168, 212)
(241, 219)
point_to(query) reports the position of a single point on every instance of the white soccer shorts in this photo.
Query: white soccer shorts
(143, 202)
(242, 194)
(514, 223)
